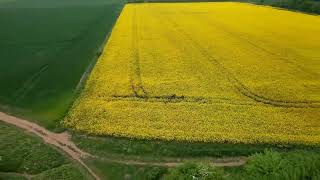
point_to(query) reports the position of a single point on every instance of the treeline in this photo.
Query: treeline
(308, 6)
(295, 165)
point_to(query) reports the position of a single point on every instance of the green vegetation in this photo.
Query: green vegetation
(195, 171)
(65, 172)
(25, 156)
(310, 6)
(158, 149)
(295, 165)
(300, 159)
(22, 154)
(110, 170)
(275, 165)
(46, 47)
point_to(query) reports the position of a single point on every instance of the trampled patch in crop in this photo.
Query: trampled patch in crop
(206, 72)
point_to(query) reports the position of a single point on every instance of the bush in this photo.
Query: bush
(296, 165)
(155, 173)
(64, 172)
(305, 165)
(195, 171)
(275, 165)
(270, 164)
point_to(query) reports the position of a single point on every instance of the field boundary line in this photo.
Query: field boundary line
(95, 59)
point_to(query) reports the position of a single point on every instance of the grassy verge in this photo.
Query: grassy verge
(267, 165)
(110, 170)
(24, 155)
(161, 150)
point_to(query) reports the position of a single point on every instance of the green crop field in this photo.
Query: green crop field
(45, 49)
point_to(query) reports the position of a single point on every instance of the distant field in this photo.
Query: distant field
(45, 48)
(212, 72)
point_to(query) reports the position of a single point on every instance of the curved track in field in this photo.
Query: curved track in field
(240, 86)
(243, 89)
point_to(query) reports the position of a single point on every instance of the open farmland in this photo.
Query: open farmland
(212, 72)
(46, 46)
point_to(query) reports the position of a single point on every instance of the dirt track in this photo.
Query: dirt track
(63, 142)
(222, 162)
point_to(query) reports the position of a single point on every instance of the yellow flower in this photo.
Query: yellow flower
(211, 72)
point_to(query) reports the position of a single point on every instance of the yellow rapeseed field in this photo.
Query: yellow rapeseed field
(212, 72)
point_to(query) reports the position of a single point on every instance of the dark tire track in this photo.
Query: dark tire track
(181, 99)
(235, 35)
(29, 83)
(135, 76)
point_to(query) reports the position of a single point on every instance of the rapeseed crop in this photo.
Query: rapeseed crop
(212, 72)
